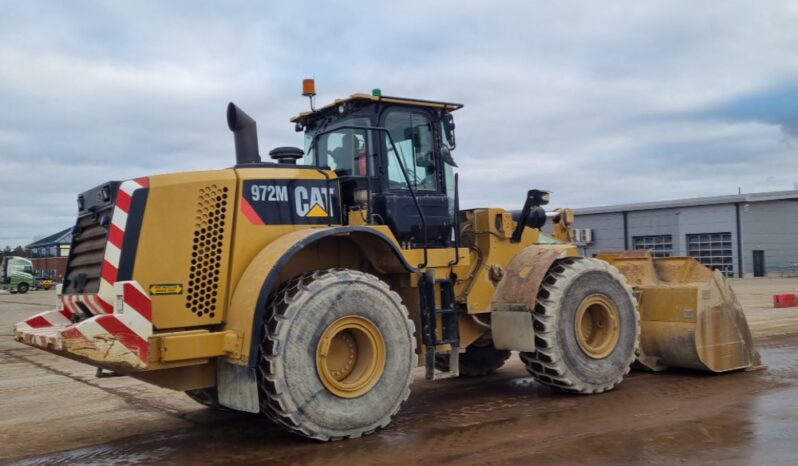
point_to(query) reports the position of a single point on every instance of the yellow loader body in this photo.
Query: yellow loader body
(310, 292)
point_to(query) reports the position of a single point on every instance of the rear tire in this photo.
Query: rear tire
(22, 288)
(478, 360)
(587, 327)
(337, 356)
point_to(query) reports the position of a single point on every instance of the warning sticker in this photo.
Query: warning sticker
(166, 288)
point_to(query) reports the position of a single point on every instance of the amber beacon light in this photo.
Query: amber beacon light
(309, 90)
(308, 87)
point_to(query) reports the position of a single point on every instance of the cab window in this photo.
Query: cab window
(349, 152)
(412, 137)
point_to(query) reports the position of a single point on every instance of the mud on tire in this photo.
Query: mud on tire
(291, 390)
(478, 360)
(559, 361)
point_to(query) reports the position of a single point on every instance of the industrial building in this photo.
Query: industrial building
(49, 254)
(745, 235)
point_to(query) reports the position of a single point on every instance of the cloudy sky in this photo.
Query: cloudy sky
(599, 102)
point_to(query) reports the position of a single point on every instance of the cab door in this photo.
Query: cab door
(412, 165)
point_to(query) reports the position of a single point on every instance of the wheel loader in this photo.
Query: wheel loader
(308, 287)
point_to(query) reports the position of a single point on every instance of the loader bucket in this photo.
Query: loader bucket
(689, 315)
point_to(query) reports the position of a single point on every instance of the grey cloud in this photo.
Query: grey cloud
(775, 104)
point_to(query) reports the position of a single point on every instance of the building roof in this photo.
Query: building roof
(446, 106)
(62, 237)
(692, 202)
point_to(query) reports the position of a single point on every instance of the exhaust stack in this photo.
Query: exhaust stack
(245, 132)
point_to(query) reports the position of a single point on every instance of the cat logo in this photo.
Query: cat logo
(311, 202)
(290, 202)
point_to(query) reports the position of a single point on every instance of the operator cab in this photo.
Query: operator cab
(393, 159)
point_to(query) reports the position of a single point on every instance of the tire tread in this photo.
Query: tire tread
(546, 363)
(273, 398)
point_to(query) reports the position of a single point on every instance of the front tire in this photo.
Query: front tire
(22, 288)
(587, 327)
(337, 355)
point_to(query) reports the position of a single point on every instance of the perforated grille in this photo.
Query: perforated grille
(206, 256)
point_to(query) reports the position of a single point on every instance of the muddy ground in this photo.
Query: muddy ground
(54, 411)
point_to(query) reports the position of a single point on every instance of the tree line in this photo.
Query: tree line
(17, 251)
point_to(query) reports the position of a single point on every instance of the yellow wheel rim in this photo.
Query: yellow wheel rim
(350, 357)
(597, 326)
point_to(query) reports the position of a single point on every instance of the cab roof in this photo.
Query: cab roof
(445, 106)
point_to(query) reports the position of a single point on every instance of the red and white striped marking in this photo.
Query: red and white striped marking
(101, 302)
(39, 329)
(92, 301)
(118, 332)
(117, 338)
(121, 337)
(113, 247)
(60, 317)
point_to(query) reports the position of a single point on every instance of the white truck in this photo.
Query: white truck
(16, 274)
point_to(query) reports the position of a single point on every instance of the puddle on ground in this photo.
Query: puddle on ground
(507, 418)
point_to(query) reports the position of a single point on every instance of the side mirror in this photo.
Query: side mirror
(448, 129)
(446, 153)
(532, 215)
(538, 197)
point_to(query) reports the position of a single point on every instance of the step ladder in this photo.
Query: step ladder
(450, 326)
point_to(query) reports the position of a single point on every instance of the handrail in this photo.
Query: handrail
(327, 193)
(456, 220)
